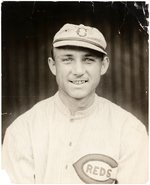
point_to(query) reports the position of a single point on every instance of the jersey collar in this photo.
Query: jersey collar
(79, 114)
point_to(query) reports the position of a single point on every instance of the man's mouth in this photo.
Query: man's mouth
(78, 82)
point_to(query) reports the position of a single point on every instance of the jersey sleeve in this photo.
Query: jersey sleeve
(17, 158)
(133, 163)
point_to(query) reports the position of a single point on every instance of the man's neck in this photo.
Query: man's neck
(75, 105)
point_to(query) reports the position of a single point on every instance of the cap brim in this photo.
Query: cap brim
(79, 44)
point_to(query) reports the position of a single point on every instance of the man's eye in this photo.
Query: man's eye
(89, 60)
(67, 60)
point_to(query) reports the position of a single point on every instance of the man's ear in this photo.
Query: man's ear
(52, 65)
(105, 65)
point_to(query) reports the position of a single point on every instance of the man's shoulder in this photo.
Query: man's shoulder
(109, 106)
(41, 107)
(43, 104)
(122, 117)
(38, 112)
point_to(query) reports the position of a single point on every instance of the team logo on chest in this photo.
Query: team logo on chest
(96, 169)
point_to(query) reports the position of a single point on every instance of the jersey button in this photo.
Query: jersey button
(71, 119)
(66, 167)
(70, 143)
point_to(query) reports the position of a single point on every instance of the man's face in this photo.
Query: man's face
(77, 71)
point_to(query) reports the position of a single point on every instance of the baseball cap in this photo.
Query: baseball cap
(81, 36)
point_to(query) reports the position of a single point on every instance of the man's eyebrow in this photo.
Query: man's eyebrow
(67, 55)
(89, 55)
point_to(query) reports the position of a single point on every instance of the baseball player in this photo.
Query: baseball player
(76, 136)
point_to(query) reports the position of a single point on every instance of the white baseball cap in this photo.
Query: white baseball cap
(81, 36)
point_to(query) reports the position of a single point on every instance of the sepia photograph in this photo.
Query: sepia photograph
(75, 92)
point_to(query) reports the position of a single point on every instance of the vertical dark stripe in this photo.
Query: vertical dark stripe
(113, 65)
(133, 53)
(36, 65)
(20, 76)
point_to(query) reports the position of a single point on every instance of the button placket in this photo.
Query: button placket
(69, 144)
(70, 139)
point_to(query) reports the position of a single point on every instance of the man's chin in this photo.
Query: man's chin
(78, 96)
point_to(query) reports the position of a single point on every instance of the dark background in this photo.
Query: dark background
(27, 32)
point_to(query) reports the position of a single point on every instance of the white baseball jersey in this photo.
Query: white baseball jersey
(102, 144)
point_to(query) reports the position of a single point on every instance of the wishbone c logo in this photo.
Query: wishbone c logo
(96, 169)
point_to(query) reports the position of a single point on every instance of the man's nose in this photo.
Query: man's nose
(78, 68)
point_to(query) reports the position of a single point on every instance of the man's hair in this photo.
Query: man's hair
(96, 53)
